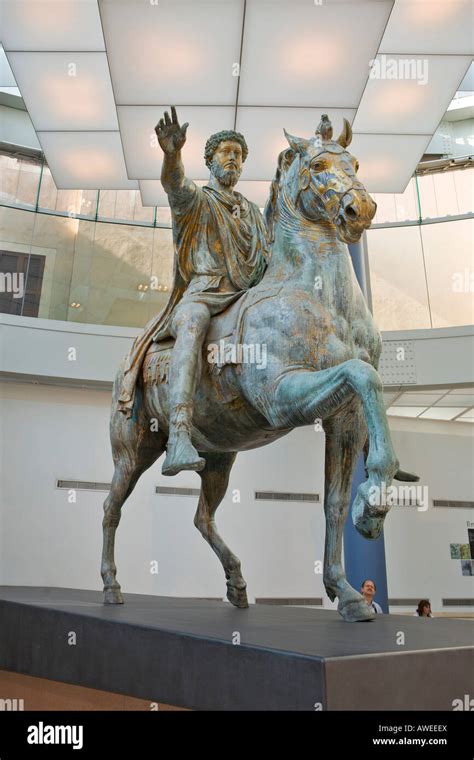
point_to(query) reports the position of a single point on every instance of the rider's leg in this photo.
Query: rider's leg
(189, 327)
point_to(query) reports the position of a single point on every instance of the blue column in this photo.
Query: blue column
(364, 558)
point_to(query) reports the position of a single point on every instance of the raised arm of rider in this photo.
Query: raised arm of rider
(171, 137)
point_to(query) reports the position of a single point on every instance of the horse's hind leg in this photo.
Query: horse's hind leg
(134, 448)
(214, 482)
(345, 433)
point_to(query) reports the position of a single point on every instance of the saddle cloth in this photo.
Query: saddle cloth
(226, 326)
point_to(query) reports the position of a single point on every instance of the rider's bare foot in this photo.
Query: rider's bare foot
(181, 455)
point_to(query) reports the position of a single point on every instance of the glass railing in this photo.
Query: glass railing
(27, 182)
(421, 276)
(430, 196)
(100, 257)
(83, 271)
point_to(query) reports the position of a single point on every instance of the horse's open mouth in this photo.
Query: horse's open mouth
(348, 232)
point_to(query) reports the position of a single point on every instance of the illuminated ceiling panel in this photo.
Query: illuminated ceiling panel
(280, 64)
(51, 25)
(430, 26)
(444, 404)
(173, 51)
(65, 91)
(86, 160)
(409, 95)
(304, 53)
(442, 413)
(387, 161)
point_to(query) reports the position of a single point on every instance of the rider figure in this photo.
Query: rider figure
(220, 251)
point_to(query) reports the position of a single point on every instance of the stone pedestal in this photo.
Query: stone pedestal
(211, 656)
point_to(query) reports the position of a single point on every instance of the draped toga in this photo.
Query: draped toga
(220, 251)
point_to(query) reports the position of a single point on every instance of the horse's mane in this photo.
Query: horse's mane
(270, 211)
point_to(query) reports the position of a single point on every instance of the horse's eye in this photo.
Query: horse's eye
(317, 166)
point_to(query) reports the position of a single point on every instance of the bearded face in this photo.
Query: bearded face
(226, 164)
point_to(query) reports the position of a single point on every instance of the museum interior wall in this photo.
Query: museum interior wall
(63, 434)
(55, 409)
(69, 430)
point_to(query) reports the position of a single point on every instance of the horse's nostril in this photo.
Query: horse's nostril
(350, 212)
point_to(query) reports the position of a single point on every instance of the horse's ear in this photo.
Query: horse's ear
(345, 138)
(285, 159)
(298, 144)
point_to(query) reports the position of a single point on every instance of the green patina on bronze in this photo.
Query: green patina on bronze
(283, 283)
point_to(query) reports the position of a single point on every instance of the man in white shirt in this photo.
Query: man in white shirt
(368, 590)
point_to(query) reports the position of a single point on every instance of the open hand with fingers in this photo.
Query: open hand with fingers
(171, 135)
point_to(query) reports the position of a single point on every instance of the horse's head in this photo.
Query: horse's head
(320, 178)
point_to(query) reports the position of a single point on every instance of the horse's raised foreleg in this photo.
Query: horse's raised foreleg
(345, 434)
(134, 448)
(303, 396)
(214, 482)
(369, 509)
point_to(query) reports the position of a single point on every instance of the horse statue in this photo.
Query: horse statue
(321, 355)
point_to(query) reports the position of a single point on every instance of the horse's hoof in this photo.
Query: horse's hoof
(237, 596)
(356, 612)
(367, 525)
(113, 596)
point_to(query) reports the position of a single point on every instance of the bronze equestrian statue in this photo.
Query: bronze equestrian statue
(288, 285)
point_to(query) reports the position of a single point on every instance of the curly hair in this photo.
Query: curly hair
(215, 140)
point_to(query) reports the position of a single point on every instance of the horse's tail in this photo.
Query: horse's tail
(406, 477)
(117, 386)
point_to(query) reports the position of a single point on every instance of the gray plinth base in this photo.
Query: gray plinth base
(181, 652)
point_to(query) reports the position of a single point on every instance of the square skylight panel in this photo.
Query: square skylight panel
(173, 51)
(409, 95)
(86, 160)
(51, 25)
(303, 53)
(430, 26)
(66, 91)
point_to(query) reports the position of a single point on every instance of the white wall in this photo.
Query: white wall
(416, 542)
(51, 433)
(441, 355)
(41, 347)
